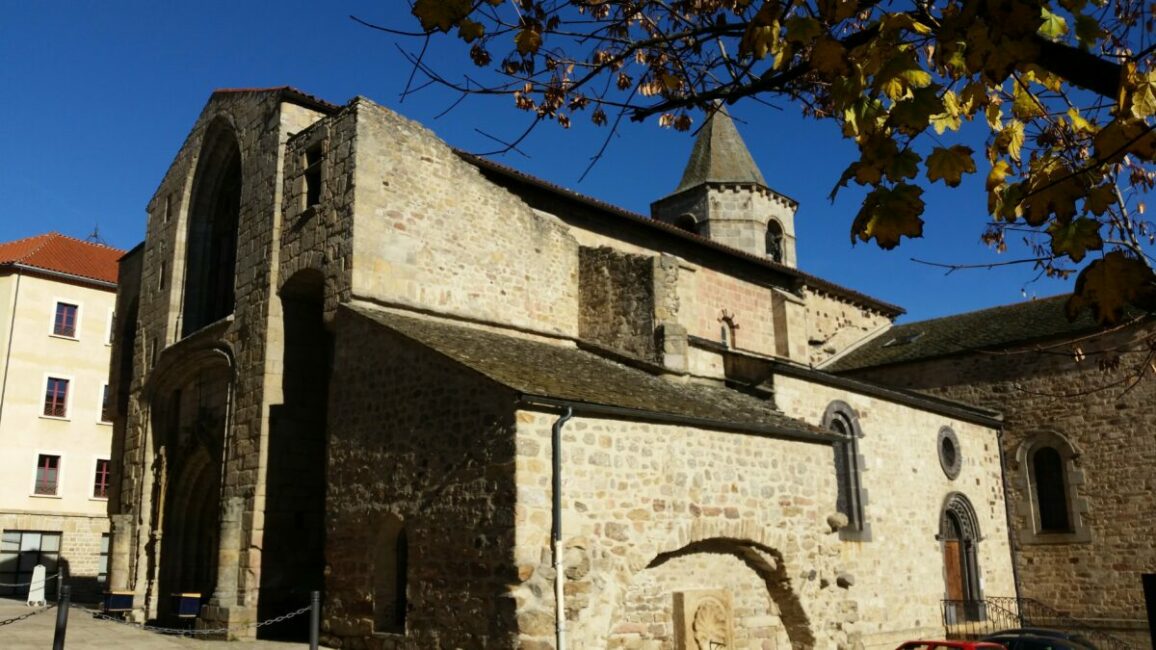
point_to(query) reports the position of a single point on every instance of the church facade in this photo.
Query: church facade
(478, 410)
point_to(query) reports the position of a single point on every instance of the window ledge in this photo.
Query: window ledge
(98, 498)
(107, 423)
(46, 496)
(58, 418)
(62, 336)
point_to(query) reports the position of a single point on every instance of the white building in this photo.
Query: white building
(57, 296)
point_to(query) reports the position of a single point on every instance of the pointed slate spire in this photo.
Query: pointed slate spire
(720, 156)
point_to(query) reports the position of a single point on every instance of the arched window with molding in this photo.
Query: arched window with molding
(1047, 493)
(841, 419)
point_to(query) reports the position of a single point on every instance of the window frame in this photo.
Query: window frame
(69, 390)
(1025, 497)
(96, 475)
(76, 305)
(849, 476)
(104, 404)
(58, 493)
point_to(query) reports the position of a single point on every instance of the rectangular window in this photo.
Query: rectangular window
(56, 398)
(20, 552)
(101, 480)
(105, 406)
(102, 568)
(47, 474)
(313, 175)
(111, 326)
(65, 322)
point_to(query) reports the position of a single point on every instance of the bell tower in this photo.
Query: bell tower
(722, 196)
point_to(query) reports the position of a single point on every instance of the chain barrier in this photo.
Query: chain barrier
(17, 619)
(192, 632)
(28, 584)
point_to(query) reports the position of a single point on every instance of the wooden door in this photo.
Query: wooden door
(953, 565)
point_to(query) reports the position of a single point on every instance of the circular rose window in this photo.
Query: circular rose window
(949, 455)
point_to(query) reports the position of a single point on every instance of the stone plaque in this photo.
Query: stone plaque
(703, 620)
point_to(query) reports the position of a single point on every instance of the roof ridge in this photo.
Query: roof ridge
(1009, 305)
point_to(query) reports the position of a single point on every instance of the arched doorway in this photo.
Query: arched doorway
(959, 535)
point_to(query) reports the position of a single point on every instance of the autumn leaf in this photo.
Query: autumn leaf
(889, 214)
(1124, 136)
(802, 29)
(1075, 238)
(1108, 285)
(1052, 190)
(912, 115)
(1088, 31)
(528, 41)
(441, 15)
(836, 11)
(900, 75)
(1010, 140)
(1143, 95)
(469, 30)
(829, 57)
(1100, 198)
(949, 165)
(1054, 26)
(1026, 106)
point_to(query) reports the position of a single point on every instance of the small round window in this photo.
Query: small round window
(949, 454)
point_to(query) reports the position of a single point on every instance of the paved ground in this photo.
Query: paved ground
(85, 632)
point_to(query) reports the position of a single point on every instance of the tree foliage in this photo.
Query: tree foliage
(1065, 88)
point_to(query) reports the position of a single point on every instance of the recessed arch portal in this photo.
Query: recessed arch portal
(960, 536)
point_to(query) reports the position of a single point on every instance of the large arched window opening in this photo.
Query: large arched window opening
(775, 244)
(211, 248)
(1051, 493)
(851, 500)
(1046, 490)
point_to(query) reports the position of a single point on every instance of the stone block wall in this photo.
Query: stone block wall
(1045, 391)
(80, 549)
(835, 325)
(432, 234)
(415, 438)
(651, 509)
(712, 301)
(900, 568)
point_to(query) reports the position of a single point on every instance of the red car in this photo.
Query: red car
(950, 645)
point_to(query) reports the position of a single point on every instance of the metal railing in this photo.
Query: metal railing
(973, 619)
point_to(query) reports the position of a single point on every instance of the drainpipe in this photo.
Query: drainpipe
(1007, 511)
(559, 569)
(8, 352)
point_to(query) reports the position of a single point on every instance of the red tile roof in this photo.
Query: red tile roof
(60, 254)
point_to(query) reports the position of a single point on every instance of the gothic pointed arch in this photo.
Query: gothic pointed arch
(213, 220)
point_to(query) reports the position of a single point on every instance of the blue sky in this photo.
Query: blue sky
(100, 96)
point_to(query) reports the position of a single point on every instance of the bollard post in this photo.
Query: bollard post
(62, 604)
(314, 619)
(59, 582)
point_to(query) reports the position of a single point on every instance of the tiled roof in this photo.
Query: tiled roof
(719, 156)
(539, 369)
(1021, 323)
(60, 254)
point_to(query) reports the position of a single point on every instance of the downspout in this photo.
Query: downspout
(559, 569)
(8, 352)
(1011, 539)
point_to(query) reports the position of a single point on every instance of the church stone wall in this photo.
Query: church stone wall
(653, 510)
(899, 568)
(417, 439)
(618, 301)
(432, 233)
(712, 301)
(1047, 393)
(835, 325)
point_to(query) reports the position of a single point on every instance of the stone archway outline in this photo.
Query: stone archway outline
(769, 565)
(964, 549)
(1025, 502)
(959, 505)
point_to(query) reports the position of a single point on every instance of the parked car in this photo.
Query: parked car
(1037, 638)
(950, 645)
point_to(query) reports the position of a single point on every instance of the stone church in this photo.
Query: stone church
(478, 410)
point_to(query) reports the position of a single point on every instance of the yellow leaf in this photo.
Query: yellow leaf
(997, 175)
(1143, 95)
(974, 97)
(1026, 106)
(1052, 191)
(1010, 140)
(900, 75)
(898, 22)
(1079, 123)
(949, 165)
(1124, 136)
(912, 115)
(441, 15)
(1110, 284)
(889, 214)
(469, 30)
(994, 116)
(1054, 26)
(1075, 238)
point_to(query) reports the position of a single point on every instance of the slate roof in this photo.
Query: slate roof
(719, 156)
(539, 369)
(996, 327)
(57, 253)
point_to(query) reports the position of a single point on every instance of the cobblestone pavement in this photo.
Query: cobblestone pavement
(85, 632)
